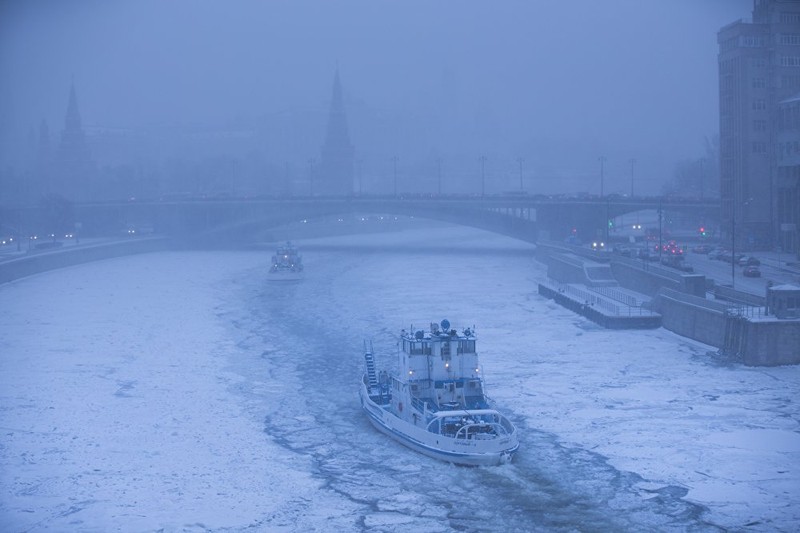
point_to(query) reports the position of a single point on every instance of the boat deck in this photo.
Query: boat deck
(475, 402)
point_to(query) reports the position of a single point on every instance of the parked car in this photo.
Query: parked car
(749, 260)
(701, 249)
(752, 272)
(644, 254)
(676, 261)
(626, 251)
(729, 258)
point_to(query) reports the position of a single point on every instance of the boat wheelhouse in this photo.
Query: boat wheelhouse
(287, 263)
(435, 403)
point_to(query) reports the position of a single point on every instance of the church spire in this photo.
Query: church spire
(74, 167)
(337, 152)
(73, 119)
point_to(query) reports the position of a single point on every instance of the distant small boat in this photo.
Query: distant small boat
(287, 264)
(436, 403)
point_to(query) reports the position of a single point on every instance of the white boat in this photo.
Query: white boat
(287, 264)
(436, 404)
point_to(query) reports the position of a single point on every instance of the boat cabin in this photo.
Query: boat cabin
(441, 370)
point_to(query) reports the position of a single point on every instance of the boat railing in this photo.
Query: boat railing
(481, 431)
(419, 404)
(507, 425)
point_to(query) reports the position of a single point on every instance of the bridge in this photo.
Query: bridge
(521, 216)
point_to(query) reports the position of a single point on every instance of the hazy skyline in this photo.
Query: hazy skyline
(558, 83)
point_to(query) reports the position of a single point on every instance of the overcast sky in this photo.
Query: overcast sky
(558, 82)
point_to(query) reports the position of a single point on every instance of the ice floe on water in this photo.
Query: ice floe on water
(182, 391)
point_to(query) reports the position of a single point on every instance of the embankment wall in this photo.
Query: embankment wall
(36, 263)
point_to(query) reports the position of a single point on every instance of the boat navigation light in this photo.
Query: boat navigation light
(447, 365)
(477, 370)
(410, 372)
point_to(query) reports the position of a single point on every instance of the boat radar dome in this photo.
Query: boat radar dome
(445, 324)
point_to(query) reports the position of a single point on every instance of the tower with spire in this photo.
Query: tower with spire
(73, 165)
(337, 162)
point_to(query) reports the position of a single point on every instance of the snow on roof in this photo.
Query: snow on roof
(785, 287)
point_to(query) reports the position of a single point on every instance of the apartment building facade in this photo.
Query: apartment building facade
(759, 77)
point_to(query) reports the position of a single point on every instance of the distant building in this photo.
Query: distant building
(788, 174)
(759, 69)
(336, 169)
(73, 169)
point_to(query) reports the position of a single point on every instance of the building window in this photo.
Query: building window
(752, 41)
(790, 18)
(728, 45)
(759, 125)
(790, 61)
(790, 39)
(759, 104)
(759, 147)
(790, 82)
(759, 83)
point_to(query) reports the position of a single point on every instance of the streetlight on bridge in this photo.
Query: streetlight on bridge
(359, 172)
(394, 167)
(602, 160)
(632, 161)
(482, 159)
(439, 175)
(311, 162)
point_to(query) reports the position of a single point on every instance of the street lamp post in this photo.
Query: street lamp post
(633, 162)
(311, 162)
(482, 159)
(359, 170)
(602, 160)
(733, 238)
(394, 169)
(702, 178)
(439, 175)
(521, 186)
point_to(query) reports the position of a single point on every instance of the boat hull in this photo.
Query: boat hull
(285, 275)
(434, 445)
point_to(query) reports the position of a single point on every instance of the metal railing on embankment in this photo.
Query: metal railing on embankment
(595, 298)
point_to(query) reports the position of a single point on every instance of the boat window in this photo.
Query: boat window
(445, 348)
(466, 346)
(417, 348)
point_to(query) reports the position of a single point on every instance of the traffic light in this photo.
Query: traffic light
(703, 231)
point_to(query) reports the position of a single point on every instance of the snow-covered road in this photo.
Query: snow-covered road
(182, 391)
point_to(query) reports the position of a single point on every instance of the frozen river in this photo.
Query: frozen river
(182, 391)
